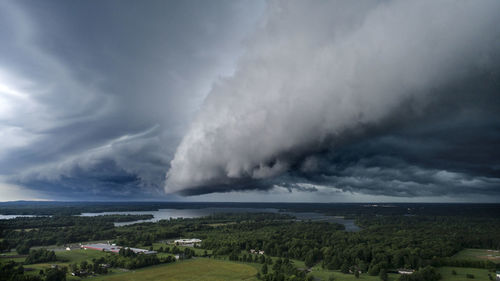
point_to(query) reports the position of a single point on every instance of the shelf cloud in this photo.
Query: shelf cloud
(384, 97)
(250, 100)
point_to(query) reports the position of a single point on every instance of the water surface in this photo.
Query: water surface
(8, 217)
(165, 214)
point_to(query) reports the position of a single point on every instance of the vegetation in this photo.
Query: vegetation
(461, 274)
(478, 255)
(39, 256)
(25, 232)
(200, 269)
(275, 246)
(427, 273)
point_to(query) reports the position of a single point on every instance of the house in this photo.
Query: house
(253, 251)
(406, 271)
(114, 249)
(141, 251)
(79, 273)
(102, 247)
(187, 242)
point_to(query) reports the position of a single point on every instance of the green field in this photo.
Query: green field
(215, 269)
(196, 269)
(67, 257)
(5, 257)
(479, 274)
(479, 254)
(446, 272)
(79, 255)
(64, 259)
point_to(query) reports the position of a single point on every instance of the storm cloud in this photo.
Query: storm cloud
(95, 96)
(391, 98)
(250, 100)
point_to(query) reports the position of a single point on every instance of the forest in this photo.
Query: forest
(419, 242)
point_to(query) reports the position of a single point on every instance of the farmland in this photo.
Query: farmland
(479, 274)
(196, 269)
(479, 254)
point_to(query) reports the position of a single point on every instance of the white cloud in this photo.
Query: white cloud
(12, 192)
(316, 70)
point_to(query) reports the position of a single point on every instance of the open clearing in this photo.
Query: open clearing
(79, 255)
(479, 274)
(479, 254)
(201, 269)
(324, 274)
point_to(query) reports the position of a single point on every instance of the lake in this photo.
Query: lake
(165, 214)
(8, 217)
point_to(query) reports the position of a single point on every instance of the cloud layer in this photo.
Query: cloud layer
(94, 97)
(393, 98)
(250, 100)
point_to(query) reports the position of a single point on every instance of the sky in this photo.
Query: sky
(258, 100)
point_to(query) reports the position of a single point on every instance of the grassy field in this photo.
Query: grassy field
(446, 272)
(190, 270)
(323, 274)
(79, 255)
(66, 258)
(216, 269)
(5, 257)
(479, 254)
(479, 274)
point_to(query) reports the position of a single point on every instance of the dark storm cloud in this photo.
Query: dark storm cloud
(384, 98)
(86, 83)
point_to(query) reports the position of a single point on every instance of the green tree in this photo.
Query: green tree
(264, 269)
(23, 249)
(344, 268)
(383, 275)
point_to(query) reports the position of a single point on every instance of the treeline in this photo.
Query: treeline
(466, 232)
(486, 264)
(144, 234)
(283, 269)
(136, 261)
(345, 209)
(13, 271)
(185, 253)
(60, 221)
(23, 233)
(126, 258)
(73, 208)
(44, 236)
(384, 243)
(427, 273)
(39, 256)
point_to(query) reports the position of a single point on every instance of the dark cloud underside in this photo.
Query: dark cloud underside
(136, 100)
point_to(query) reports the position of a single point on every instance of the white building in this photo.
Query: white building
(187, 242)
